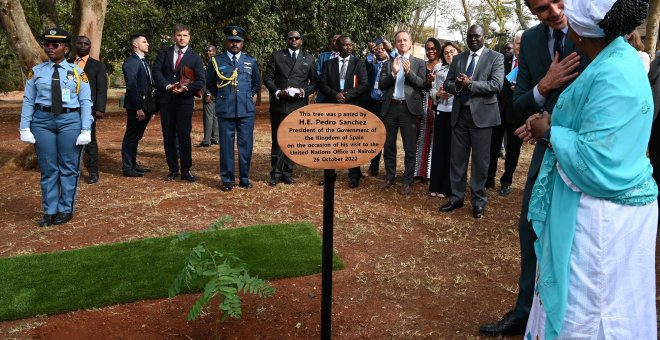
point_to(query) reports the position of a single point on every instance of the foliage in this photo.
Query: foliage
(226, 274)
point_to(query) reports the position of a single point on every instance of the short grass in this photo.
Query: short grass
(144, 269)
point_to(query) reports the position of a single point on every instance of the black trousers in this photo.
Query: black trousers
(399, 118)
(134, 133)
(176, 123)
(439, 181)
(513, 145)
(92, 150)
(281, 166)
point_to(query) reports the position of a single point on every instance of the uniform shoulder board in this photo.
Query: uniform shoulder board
(30, 74)
(83, 77)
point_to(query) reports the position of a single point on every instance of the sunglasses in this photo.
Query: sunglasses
(53, 45)
(293, 38)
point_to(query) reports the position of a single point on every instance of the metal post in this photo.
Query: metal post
(329, 177)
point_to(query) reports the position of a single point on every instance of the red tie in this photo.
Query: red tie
(178, 59)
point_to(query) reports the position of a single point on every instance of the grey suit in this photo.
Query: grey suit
(533, 64)
(472, 122)
(402, 116)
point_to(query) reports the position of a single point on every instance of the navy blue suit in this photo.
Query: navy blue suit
(176, 108)
(137, 82)
(235, 109)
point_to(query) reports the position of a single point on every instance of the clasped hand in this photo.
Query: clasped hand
(534, 128)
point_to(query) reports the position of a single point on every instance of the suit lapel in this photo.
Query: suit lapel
(480, 62)
(546, 60)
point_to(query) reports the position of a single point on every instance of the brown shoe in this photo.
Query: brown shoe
(405, 189)
(387, 183)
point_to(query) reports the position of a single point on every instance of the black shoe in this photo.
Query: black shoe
(188, 176)
(62, 218)
(505, 190)
(214, 142)
(273, 181)
(171, 176)
(477, 212)
(508, 326)
(490, 184)
(405, 189)
(353, 182)
(287, 180)
(132, 173)
(141, 169)
(46, 220)
(226, 186)
(93, 177)
(246, 185)
(449, 206)
(203, 145)
(387, 183)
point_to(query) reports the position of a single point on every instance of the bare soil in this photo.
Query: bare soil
(411, 271)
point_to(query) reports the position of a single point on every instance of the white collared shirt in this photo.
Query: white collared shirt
(291, 52)
(476, 61)
(238, 55)
(339, 59)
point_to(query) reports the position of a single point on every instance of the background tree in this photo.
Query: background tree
(652, 23)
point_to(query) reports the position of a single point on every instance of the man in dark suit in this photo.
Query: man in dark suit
(541, 79)
(344, 81)
(376, 96)
(138, 79)
(510, 122)
(475, 78)
(402, 80)
(323, 57)
(233, 79)
(98, 83)
(179, 76)
(290, 79)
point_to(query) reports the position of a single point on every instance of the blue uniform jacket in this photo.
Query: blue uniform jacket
(230, 101)
(38, 91)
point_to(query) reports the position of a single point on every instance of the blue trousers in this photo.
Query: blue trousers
(59, 158)
(230, 128)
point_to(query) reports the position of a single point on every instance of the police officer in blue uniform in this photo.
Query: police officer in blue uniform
(57, 118)
(233, 79)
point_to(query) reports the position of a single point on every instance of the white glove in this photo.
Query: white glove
(27, 136)
(84, 138)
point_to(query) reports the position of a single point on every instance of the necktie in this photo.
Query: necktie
(342, 71)
(146, 68)
(400, 81)
(178, 59)
(559, 44)
(515, 64)
(293, 56)
(465, 93)
(233, 60)
(56, 92)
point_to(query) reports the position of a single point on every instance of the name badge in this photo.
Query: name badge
(341, 84)
(66, 94)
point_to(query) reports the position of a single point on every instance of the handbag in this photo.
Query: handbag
(148, 100)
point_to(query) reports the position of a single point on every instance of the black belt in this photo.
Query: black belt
(49, 109)
(396, 101)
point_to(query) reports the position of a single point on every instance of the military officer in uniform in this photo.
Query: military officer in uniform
(57, 118)
(233, 79)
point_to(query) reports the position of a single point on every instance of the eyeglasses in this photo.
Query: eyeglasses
(450, 52)
(293, 38)
(53, 45)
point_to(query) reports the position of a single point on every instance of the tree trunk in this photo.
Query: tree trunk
(520, 15)
(48, 13)
(466, 13)
(92, 18)
(18, 33)
(652, 22)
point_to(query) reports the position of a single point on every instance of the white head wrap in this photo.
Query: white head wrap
(584, 16)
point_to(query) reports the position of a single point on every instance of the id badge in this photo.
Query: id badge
(341, 84)
(376, 85)
(66, 94)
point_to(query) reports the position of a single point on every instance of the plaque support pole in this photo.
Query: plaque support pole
(329, 178)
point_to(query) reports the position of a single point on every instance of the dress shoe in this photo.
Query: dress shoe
(226, 186)
(46, 220)
(490, 184)
(505, 190)
(140, 168)
(188, 176)
(203, 145)
(273, 181)
(478, 212)
(353, 182)
(508, 326)
(245, 185)
(93, 177)
(387, 183)
(405, 189)
(62, 218)
(171, 176)
(214, 142)
(132, 173)
(287, 180)
(449, 206)
(370, 173)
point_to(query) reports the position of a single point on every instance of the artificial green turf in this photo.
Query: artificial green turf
(144, 269)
